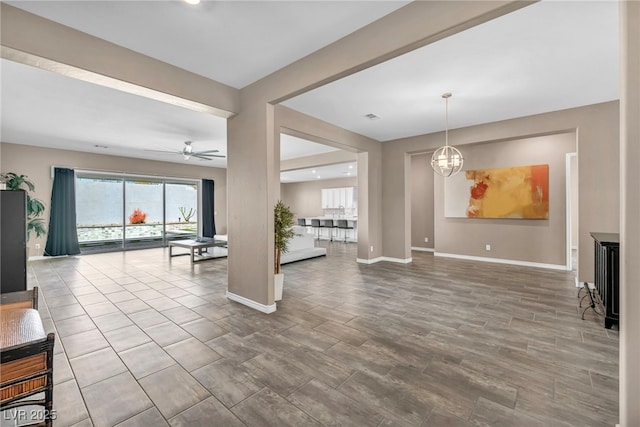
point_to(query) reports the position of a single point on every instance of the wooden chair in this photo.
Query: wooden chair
(26, 361)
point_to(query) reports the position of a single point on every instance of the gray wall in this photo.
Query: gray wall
(305, 198)
(36, 162)
(422, 219)
(630, 227)
(540, 241)
(598, 135)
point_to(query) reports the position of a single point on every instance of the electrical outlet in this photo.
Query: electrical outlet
(487, 247)
(371, 248)
(37, 245)
(426, 240)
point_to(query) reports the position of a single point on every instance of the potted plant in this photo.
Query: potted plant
(35, 207)
(283, 232)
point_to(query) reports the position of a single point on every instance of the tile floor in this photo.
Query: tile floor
(143, 340)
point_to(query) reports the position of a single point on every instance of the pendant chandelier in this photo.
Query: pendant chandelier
(447, 160)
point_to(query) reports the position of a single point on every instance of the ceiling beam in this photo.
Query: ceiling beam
(415, 25)
(36, 41)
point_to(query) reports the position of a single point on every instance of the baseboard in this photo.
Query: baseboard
(418, 248)
(384, 258)
(369, 261)
(42, 257)
(251, 303)
(580, 283)
(398, 260)
(504, 261)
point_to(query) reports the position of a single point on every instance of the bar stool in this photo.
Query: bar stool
(316, 226)
(343, 224)
(302, 222)
(328, 223)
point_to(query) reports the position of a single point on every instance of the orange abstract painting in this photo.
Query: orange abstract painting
(515, 192)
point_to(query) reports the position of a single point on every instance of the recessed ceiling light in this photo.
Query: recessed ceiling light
(313, 171)
(348, 173)
(318, 177)
(371, 116)
(192, 2)
(350, 166)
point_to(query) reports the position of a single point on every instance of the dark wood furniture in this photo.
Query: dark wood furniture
(607, 274)
(13, 245)
(26, 356)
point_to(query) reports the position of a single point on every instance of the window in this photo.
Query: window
(116, 212)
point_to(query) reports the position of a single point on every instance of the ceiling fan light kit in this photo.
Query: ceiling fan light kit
(447, 160)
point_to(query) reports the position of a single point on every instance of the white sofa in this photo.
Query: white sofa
(302, 246)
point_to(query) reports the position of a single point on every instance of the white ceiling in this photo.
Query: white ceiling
(341, 170)
(548, 56)
(247, 39)
(46, 109)
(292, 147)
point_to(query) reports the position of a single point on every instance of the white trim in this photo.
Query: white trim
(504, 261)
(568, 214)
(398, 260)
(251, 303)
(42, 257)
(369, 261)
(579, 284)
(384, 258)
(418, 248)
(574, 248)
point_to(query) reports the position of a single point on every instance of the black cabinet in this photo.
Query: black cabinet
(13, 241)
(607, 274)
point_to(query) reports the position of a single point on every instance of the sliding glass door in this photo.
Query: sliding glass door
(181, 210)
(144, 213)
(99, 207)
(116, 212)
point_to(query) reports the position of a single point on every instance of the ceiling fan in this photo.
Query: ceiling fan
(187, 152)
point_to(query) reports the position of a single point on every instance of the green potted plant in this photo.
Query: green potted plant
(283, 232)
(35, 207)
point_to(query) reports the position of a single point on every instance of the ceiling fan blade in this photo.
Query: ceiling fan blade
(200, 157)
(209, 157)
(207, 151)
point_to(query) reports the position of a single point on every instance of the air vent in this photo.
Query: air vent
(372, 116)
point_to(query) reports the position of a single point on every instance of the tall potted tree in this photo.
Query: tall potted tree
(35, 207)
(283, 231)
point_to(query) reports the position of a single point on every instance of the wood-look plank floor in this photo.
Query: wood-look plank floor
(147, 340)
